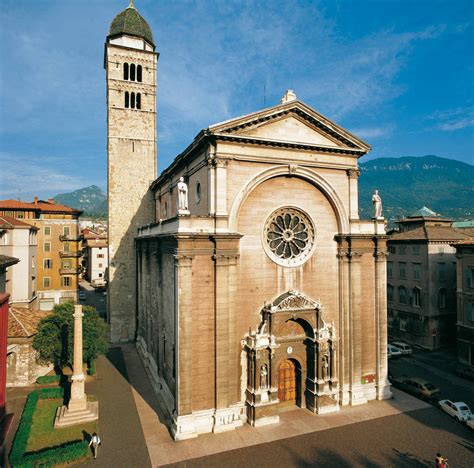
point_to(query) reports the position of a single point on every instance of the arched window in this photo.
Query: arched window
(402, 295)
(416, 297)
(139, 101)
(132, 72)
(442, 298)
(125, 71)
(139, 73)
(132, 100)
(127, 99)
(389, 293)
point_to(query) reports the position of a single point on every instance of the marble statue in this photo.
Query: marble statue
(325, 369)
(377, 202)
(264, 377)
(182, 195)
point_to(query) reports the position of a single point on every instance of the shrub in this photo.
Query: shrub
(47, 379)
(23, 433)
(91, 367)
(55, 392)
(63, 453)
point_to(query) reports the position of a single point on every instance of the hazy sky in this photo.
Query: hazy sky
(398, 74)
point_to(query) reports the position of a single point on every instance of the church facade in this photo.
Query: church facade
(255, 286)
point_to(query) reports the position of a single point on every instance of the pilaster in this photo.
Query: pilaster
(382, 383)
(345, 355)
(221, 186)
(356, 391)
(353, 176)
(183, 349)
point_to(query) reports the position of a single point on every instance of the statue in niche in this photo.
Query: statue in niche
(264, 377)
(377, 202)
(182, 195)
(325, 366)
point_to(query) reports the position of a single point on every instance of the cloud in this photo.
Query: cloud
(38, 179)
(373, 132)
(450, 120)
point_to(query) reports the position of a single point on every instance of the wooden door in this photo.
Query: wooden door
(287, 382)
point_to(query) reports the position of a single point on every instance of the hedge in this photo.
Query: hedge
(63, 453)
(47, 379)
(91, 368)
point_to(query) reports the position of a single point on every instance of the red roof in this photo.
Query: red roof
(7, 222)
(40, 205)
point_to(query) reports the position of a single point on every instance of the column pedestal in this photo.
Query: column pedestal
(79, 410)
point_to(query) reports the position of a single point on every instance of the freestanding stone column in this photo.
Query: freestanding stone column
(78, 410)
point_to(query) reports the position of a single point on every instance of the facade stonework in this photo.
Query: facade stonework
(261, 288)
(218, 349)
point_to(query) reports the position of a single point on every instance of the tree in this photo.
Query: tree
(54, 341)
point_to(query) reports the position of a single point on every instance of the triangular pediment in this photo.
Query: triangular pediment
(292, 123)
(291, 129)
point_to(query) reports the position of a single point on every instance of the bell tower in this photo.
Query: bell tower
(130, 64)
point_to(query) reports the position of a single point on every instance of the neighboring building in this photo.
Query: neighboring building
(257, 286)
(22, 368)
(421, 280)
(95, 257)
(465, 301)
(19, 239)
(58, 264)
(5, 420)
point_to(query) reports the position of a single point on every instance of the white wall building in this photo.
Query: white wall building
(19, 239)
(96, 258)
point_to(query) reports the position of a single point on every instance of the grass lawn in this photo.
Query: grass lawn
(44, 435)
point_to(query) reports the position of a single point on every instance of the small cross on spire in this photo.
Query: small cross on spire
(131, 4)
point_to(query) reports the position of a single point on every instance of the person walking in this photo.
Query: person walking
(441, 462)
(94, 443)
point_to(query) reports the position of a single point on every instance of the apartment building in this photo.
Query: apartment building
(421, 280)
(95, 257)
(465, 302)
(19, 239)
(58, 262)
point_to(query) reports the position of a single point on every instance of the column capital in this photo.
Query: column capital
(221, 162)
(353, 173)
(354, 255)
(182, 260)
(381, 255)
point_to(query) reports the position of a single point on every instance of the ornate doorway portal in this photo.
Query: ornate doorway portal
(287, 382)
(291, 360)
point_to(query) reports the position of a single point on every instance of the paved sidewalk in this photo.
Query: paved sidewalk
(163, 450)
(123, 444)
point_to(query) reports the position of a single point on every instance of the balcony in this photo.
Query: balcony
(70, 271)
(70, 238)
(73, 254)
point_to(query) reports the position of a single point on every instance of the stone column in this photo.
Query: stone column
(78, 397)
(79, 410)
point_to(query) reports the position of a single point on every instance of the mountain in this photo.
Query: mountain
(92, 200)
(406, 184)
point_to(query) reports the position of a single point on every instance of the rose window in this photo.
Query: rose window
(289, 236)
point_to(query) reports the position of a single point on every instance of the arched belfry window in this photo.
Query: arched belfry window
(139, 73)
(139, 101)
(127, 99)
(125, 71)
(132, 72)
(132, 100)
